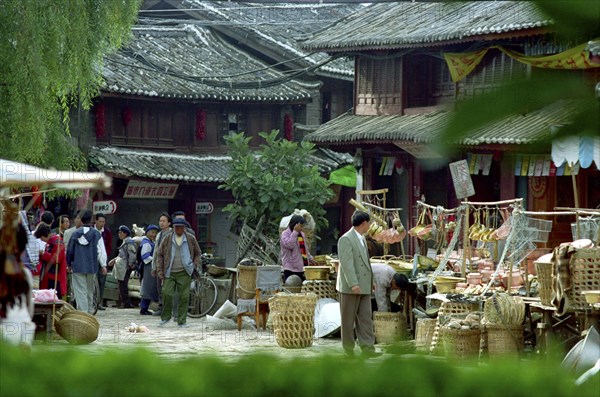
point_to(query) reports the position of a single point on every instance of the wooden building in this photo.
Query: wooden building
(416, 63)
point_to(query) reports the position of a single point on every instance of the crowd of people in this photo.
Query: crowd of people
(165, 257)
(69, 258)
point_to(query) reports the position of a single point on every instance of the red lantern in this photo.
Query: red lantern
(200, 124)
(288, 127)
(100, 122)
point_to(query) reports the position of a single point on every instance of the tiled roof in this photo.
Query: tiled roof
(426, 128)
(186, 167)
(279, 26)
(191, 62)
(403, 24)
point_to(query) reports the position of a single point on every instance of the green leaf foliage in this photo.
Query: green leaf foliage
(51, 54)
(274, 180)
(133, 372)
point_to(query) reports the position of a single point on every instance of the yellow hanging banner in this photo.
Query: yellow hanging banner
(461, 64)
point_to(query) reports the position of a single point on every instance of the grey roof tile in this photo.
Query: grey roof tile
(190, 62)
(426, 128)
(187, 167)
(282, 25)
(404, 24)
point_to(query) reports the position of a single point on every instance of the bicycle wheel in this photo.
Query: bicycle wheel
(203, 296)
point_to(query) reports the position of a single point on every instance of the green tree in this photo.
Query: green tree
(271, 182)
(51, 54)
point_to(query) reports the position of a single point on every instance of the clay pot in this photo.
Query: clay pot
(486, 275)
(474, 278)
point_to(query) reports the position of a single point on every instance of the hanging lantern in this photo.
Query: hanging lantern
(200, 124)
(288, 127)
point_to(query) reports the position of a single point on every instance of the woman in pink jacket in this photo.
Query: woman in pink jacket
(295, 252)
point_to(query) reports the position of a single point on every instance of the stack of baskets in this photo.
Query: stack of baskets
(293, 319)
(389, 327)
(503, 317)
(78, 327)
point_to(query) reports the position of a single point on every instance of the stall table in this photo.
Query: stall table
(42, 312)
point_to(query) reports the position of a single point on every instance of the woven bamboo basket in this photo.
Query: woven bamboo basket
(505, 340)
(246, 279)
(544, 276)
(447, 309)
(459, 343)
(322, 288)
(78, 327)
(389, 327)
(293, 318)
(424, 332)
(585, 276)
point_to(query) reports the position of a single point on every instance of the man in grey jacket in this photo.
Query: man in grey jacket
(355, 283)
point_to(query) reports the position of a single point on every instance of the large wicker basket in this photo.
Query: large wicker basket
(424, 333)
(78, 327)
(459, 343)
(389, 327)
(246, 282)
(585, 276)
(448, 309)
(545, 284)
(293, 318)
(505, 340)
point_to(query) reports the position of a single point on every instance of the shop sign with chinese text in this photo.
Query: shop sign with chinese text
(150, 190)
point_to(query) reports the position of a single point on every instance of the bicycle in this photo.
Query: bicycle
(203, 295)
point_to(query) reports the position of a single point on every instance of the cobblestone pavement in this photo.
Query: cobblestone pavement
(201, 338)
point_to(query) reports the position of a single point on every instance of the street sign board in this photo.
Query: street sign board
(107, 207)
(204, 208)
(461, 177)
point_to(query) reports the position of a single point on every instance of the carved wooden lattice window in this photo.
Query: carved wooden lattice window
(379, 83)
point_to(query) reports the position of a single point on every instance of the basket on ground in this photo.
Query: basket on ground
(424, 332)
(293, 319)
(459, 343)
(389, 327)
(505, 340)
(78, 327)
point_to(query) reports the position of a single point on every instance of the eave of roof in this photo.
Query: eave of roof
(515, 129)
(187, 168)
(403, 24)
